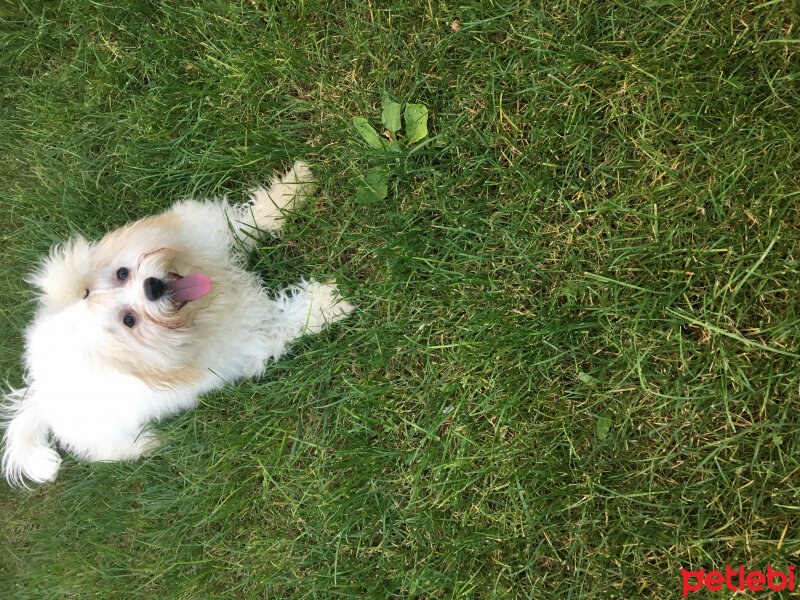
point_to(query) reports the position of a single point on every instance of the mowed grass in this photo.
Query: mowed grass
(575, 366)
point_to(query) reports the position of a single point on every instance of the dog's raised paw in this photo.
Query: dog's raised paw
(301, 183)
(327, 305)
(301, 172)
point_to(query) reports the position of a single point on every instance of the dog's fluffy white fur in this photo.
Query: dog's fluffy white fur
(138, 325)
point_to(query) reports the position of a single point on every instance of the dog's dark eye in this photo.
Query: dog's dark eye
(122, 274)
(129, 320)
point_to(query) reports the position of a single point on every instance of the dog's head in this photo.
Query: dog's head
(127, 302)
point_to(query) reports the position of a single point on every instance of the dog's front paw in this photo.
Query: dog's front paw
(301, 184)
(301, 173)
(327, 305)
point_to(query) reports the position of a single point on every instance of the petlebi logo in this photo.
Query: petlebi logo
(737, 579)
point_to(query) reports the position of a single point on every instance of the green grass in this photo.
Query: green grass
(575, 367)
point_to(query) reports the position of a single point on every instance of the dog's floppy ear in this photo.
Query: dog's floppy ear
(64, 276)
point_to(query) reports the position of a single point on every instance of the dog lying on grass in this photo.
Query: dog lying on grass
(138, 325)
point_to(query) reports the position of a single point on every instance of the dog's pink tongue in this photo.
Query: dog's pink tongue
(190, 287)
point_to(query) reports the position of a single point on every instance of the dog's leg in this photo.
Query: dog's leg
(121, 445)
(306, 308)
(268, 207)
(27, 453)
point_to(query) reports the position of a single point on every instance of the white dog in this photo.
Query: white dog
(138, 325)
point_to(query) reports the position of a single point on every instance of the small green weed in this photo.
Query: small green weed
(376, 181)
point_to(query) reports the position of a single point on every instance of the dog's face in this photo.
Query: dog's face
(127, 300)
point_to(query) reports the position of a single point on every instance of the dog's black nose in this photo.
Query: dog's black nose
(154, 288)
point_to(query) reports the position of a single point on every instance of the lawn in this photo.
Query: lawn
(574, 370)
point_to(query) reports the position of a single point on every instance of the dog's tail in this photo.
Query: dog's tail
(27, 453)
